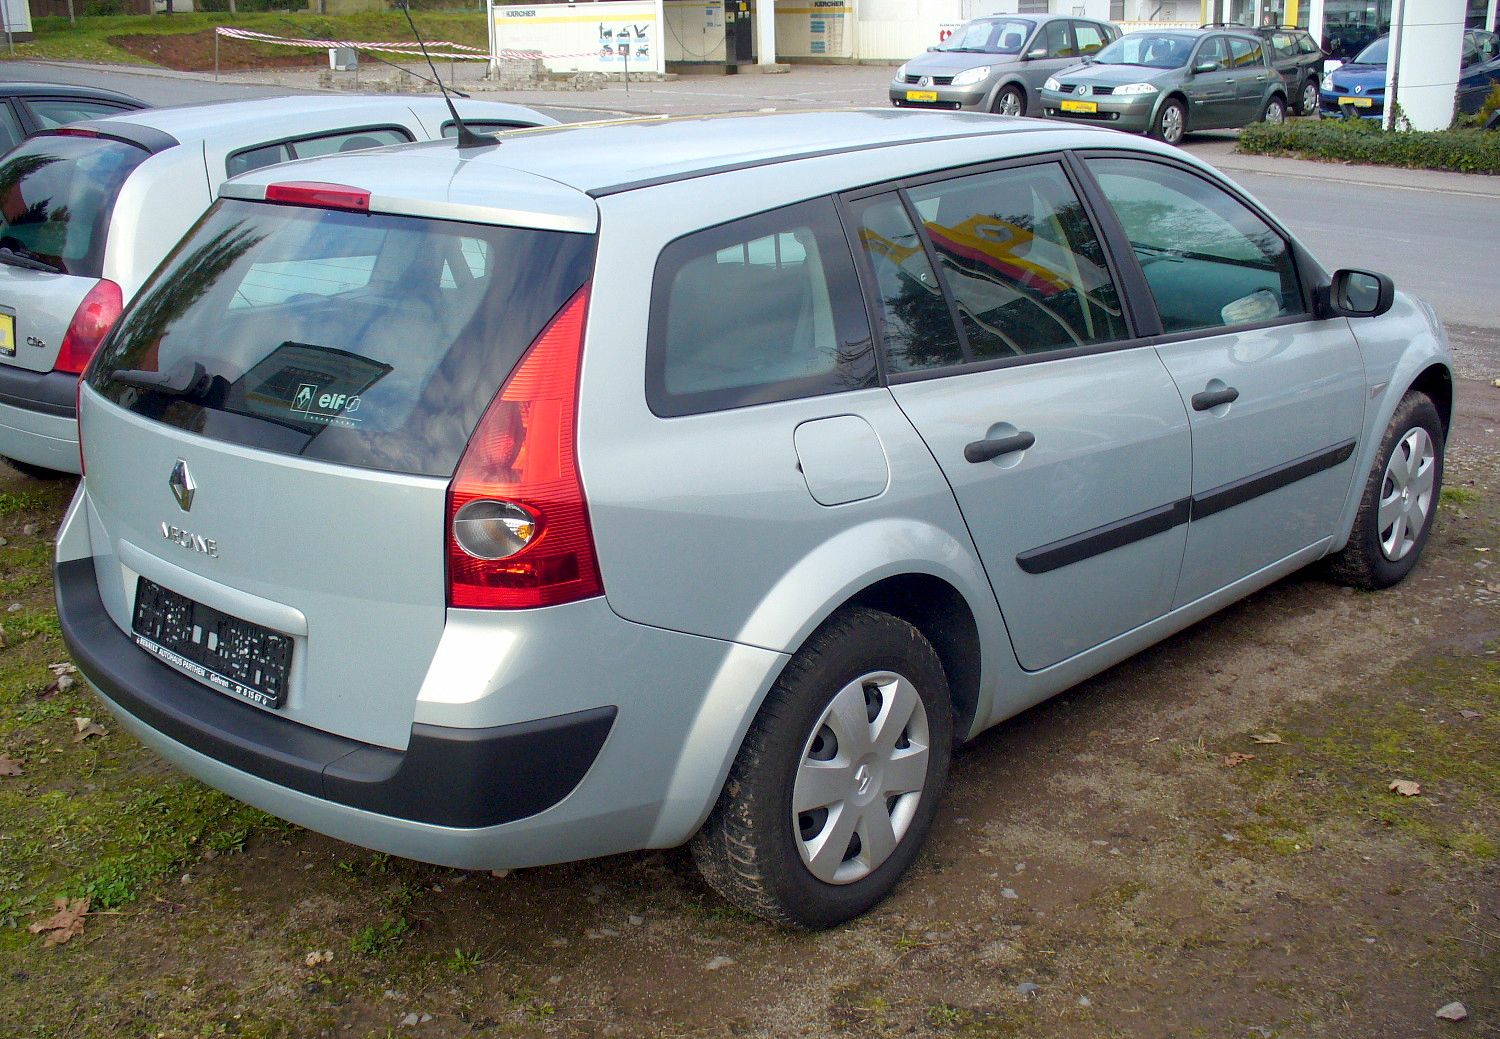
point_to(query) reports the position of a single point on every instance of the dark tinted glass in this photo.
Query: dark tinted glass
(50, 112)
(309, 147)
(916, 324)
(1022, 261)
(1210, 261)
(10, 128)
(757, 310)
(56, 196)
(1246, 53)
(359, 339)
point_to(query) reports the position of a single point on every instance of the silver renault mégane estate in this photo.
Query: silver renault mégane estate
(711, 479)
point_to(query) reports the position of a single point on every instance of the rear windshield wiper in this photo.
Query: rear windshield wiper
(182, 381)
(27, 259)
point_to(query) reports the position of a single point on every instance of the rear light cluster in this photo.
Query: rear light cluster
(319, 193)
(93, 319)
(518, 524)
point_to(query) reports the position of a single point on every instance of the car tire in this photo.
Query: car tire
(1171, 122)
(1403, 486)
(826, 737)
(36, 472)
(1309, 104)
(1011, 100)
(1275, 110)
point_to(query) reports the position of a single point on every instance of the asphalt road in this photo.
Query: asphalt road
(1441, 243)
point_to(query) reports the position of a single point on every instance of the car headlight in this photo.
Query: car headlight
(1135, 88)
(969, 77)
(1328, 82)
(901, 72)
(1052, 84)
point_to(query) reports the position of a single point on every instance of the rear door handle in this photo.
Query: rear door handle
(1213, 398)
(984, 450)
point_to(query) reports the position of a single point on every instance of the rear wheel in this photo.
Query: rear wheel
(1010, 101)
(36, 472)
(1309, 98)
(1275, 111)
(1399, 502)
(838, 779)
(1171, 122)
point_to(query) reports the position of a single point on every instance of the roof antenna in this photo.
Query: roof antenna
(466, 138)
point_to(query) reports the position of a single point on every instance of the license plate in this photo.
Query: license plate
(1357, 102)
(7, 335)
(921, 95)
(235, 656)
(1080, 106)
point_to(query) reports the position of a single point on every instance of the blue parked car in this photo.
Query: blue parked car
(1360, 85)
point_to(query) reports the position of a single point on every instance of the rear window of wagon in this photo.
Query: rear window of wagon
(354, 338)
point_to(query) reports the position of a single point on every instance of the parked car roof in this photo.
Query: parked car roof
(67, 90)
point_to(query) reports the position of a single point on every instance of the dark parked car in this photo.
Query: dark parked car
(28, 108)
(1296, 57)
(1359, 87)
(1343, 40)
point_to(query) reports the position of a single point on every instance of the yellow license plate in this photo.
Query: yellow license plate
(921, 95)
(1357, 102)
(1080, 106)
(7, 335)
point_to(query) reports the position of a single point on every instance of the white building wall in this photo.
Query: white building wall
(894, 30)
(1429, 36)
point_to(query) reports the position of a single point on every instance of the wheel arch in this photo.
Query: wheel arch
(1436, 381)
(1175, 94)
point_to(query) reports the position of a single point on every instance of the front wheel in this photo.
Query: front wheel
(838, 779)
(1010, 101)
(1309, 104)
(1275, 111)
(1171, 123)
(1399, 502)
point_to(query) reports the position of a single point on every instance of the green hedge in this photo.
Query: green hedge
(1464, 150)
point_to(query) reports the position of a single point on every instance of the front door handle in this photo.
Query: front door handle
(1213, 398)
(984, 450)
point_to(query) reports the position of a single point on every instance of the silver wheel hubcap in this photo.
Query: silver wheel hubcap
(861, 777)
(1171, 125)
(1010, 104)
(1309, 99)
(1275, 113)
(1406, 494)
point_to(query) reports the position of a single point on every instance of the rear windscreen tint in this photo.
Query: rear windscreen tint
(354, 338)
(56, 197)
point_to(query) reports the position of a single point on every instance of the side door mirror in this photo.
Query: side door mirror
(1205, 66)
(1354, 293)
(1035, 53)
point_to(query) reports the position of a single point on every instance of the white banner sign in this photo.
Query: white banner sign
(608, 36)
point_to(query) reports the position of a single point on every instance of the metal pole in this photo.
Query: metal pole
(626, 55)
(10, 37)
(216, 55)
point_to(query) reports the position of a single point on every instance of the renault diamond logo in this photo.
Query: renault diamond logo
(1081, 89)
(183, 487)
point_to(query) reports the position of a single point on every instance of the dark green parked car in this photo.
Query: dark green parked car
(1169, 82)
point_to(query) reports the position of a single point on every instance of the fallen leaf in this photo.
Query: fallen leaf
(64, 924)
(318, 956)
(1267, 737)
(87, 727)
(1468, 715)
(1237, 758)
(1454, 1011)
(63, 668)
(9, 766)
(1405, 787)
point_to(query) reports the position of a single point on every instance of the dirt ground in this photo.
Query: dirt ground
(194, 52)
(1200, 842)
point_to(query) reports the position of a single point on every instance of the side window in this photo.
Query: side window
(1214, 51)
(10, 128)
(1470, 54)
(357, 141)
(450, 129)
(1307, 45)
(1022, 262)
(1058, 41)
(917, 326)
(1210, 262)
(1090, 37)
(60, 111)
(1246, 54)
(762, 309)
(255, 158)
(1283, 46)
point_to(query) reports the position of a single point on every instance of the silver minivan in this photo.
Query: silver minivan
(87, 211)
(711, 480)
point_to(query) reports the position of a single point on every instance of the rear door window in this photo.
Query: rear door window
(10, 127)
(1246, 54)
(310, 147)
(59, 111)
(761, 309)
(1090, 37)
(56, 197)
(360, 339)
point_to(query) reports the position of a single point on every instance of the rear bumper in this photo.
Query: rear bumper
(38, 423)
(446, 777)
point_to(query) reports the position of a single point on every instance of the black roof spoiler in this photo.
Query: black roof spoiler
(145, 137)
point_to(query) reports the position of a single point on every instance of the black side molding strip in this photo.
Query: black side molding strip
(1268, 480)
(1056, 554)
(466, 778)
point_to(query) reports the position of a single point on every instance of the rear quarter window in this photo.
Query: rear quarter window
(309, 147)
(762, 309)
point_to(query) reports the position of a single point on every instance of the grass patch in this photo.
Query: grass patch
(1458, 496)
(1336, 140)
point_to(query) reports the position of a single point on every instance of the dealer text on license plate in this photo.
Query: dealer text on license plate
(921, 95)
(1080, 106)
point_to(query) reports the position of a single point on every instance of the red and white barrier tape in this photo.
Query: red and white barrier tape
(454, 50)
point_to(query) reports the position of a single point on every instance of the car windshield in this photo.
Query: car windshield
(354, 338)
(990, 36)
(56, 197)
(1153, 50)
(1376, 53)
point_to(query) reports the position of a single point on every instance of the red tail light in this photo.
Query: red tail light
(93, 319)
(522, 462)
(319, 193)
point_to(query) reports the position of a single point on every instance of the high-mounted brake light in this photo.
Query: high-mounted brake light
(317, 193)
(518, 525)
(93, 319)
(73, 131)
